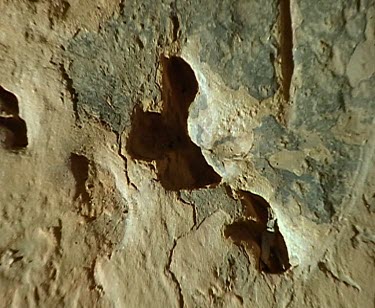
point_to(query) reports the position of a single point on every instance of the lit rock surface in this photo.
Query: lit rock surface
(187, 153)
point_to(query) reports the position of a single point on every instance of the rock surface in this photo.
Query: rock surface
(187, 153)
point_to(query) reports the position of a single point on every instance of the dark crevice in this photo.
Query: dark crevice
(176, 27)
(70, 88)
(174, 278)
(8, 103)
(358, 4)
(286, 47)
(16, 134)
(259, 232)
(57, 232)
(13, 130)
(58, 11)
(175, 22)
(163, 137)
(80, 168)
(122, 6)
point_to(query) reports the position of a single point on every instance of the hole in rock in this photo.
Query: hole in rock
(79, 165)
(258, 231)
(286, 47)
(13, 131)
(163, 137)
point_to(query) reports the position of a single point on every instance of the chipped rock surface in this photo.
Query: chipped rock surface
(187, 153)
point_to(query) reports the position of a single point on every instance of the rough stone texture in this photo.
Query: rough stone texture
(187, 153)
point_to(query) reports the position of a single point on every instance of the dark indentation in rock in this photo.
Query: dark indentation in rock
(57, 232)
(164, 137)
(58, 10)
(13, 131)
(175, 22)
(286, 47)
(70, 88)
(8, 103)
(15, 256)
(80, 168)
(15, 135)
(255, 206)
(150, 137)
(175, 27)
(257, 231)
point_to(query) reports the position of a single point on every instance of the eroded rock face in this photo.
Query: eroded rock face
(187, 153)
(13, 128)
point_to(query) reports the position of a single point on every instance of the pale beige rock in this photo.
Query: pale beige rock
(293, 161)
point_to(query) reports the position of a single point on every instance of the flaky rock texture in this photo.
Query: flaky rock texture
(187, 153)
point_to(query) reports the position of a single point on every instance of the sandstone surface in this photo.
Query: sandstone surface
(187, 153)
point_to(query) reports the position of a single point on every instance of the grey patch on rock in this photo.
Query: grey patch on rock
(199, 134)
(235, 41)
(200, 103)
(322, 188)
(114, 69)
(208, 201)
(322, 98)
(216, 163)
